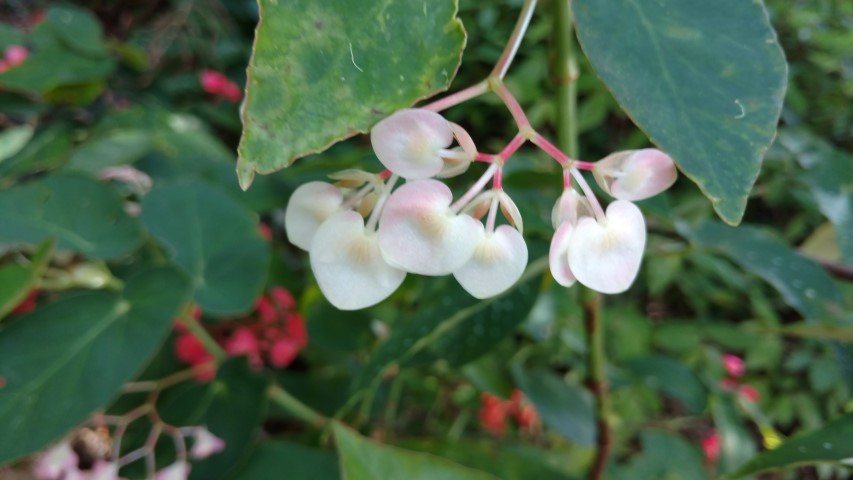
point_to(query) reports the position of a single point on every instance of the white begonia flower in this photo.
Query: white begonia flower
(420, 233)
(102, 470)
(205, 443)
(606, 255)
(59, 461)
(180, 470)
(635, 174)
(309, 206)
(349, 267)
(410, 142)
(498, 261)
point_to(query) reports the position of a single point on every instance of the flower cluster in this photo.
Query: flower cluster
(363, 235)
(274, 334)
(494, 412)
(64, 460)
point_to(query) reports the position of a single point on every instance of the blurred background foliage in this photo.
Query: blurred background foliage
(118, 83)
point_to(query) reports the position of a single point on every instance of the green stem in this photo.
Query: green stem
(197, 329)
(295, 407)
(565, 70)
(597, 381)
(514, 41)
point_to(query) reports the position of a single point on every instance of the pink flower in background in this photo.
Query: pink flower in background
(16, 55)
(734, 365)
(215, 83)
(711, 447)
(749, 392)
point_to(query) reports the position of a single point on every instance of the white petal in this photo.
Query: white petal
(571, 206)
(348, 265)
(606, 256)
(205, 443)
(408, 142)
(309, 206)
(558, 255)
(420, 234)
(496, 265)
(180, 470)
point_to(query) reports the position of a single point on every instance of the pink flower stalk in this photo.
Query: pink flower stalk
(734, 365)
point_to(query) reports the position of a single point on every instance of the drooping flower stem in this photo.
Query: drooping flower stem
(458, 97)
(514, 41)
(597, 381)
(511, 103)
(459, 204)
(198, 331)
(295, 407)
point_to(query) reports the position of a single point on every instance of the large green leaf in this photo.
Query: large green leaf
(81, 213)
(272, 459)
(232, 407)
(564, 407)
(326, 70)
(830, 179)
(16, 281)
(458, 329)
(672, 377)
(804, 285)
(704, 80)
(830, 443)
(59, 362)
(212, 237)
(363, 459)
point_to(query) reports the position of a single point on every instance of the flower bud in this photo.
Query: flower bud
(635, 174)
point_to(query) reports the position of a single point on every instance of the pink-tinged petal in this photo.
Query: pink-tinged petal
(205, 443)
(102, 470)
(510, 211)
(734, 365)
(309, 206)
(636, 174)
(606, 256)
(558, 255)
(419, 233)
(179, 470)
(464, 139)
(349, 267)
(496, 265)
(569, 208)
(409, 142)
(56, 462)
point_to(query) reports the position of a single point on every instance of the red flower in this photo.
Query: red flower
(218, 84)
(711, 447)
(28, 304)
(749, 392)
(492, 414)
(734, 365)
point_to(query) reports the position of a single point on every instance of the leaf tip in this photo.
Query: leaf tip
(245, 174)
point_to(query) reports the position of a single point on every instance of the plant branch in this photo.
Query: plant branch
(597, 381)
(565, 71)
(295, 407)
(197, 329)
(514, 41)
(458, 97)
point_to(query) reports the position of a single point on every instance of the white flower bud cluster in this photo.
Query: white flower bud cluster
(363, 236)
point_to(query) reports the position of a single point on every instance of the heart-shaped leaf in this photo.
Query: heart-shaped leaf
(58, 362)
(326, 70)
(704, 80)
(81, 213)
(212, 237)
